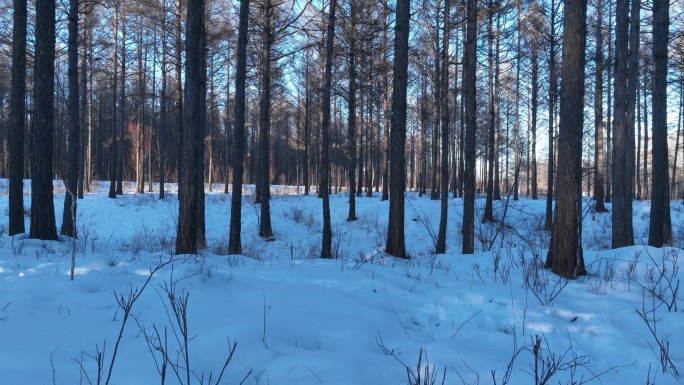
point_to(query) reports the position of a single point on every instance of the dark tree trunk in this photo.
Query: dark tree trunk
(395, 233)
(83, 153)
(470, 99)
(386, 117)
(179, 90)
(325, 131)
(351, 116)
(42, 203)
(163, 129)
(553, 92)
(193, 132)
(497, 99)
(437, 86)
(265, 229)
(622, 230)
(444, 207)
(565, 251)
(489, 207)
(122, 106)
(70, 205)
(660, 227)
(17, 130)
(599, 169)
(644, 108)
(307, 126)
(113, 145)
(235, 243)
(535, 104)
(516, 127)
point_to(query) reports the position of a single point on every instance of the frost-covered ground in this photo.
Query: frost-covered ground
(354, 320)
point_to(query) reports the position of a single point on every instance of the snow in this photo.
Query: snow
(357, 319)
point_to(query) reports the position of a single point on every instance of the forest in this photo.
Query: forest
(360, 192)
(451, 99)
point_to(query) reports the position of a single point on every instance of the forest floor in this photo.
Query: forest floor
(495, 317)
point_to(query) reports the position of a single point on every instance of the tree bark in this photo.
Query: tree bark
(113, 146)
(489, 207)
(660, 226)
(622, 230)
(235, 243)
(470, 98)
(599, 168)
(351, 116)
(42, 203)
(326, 246)
(70, 204)
(17, 119)
(565, 251)
(265, 229)
(444, 207)
(553, 93)
(396, 245)
(193, 133)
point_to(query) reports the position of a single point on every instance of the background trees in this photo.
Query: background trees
(479, 90)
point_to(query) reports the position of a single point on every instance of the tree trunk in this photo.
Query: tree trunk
(42, 202)
(489, 207)
(622, 230)
(70, 205)
(395, 233)
(599, 169)
(470, 98)
(307, 126)
(565, 251)
(444, 207)
(193, 132)
(162, 136)
(122, 106)
(437, 86)
(497, 99)
(553, 93)
(660, 226)
(325, 130)
(535, 104)
(351, 116)
(386, 115)
(17, 127)
(265, 229)
(234, 243)
(113, 145)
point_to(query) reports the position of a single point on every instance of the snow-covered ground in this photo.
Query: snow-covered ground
(358, 319)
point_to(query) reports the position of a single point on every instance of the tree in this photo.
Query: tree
(470, 101)
(193, 132)
(623, 157)
(660, 226)
(70, 204)
(264, 186)
(351, 116)
(17, 120)
(163, 129)
(395, 234)
(565, 250)
(441, 236)
(42, 203)
(553, 93)
(489, 209)
(113, 146)
(599, 192)
(325, 153)
(234, 242)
